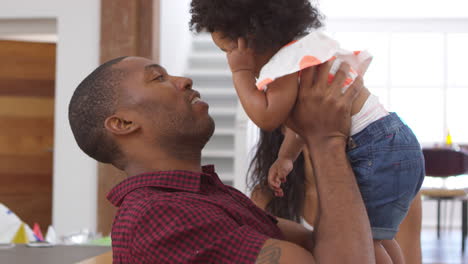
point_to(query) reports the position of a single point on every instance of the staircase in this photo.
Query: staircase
(208, 68)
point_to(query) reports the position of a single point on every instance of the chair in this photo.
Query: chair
(445, 162)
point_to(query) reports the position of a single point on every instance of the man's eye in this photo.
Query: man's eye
(159, 78)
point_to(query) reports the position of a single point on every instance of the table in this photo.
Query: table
(445, 163)
(61, 254)
(105, 258)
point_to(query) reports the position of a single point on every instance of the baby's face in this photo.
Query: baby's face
(222, 42)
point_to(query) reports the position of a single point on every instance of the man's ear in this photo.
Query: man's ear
(120, 126)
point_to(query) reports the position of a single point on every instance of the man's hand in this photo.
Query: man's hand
(241, 57)
(322, 111)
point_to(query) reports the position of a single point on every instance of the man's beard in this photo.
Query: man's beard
(176, 133)
(184, 133)
(192, 133)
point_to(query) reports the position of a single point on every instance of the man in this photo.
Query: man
(131, 113)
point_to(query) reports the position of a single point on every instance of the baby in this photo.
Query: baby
(268, 43)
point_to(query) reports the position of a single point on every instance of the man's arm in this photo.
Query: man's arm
(282, 252)
(343, 222)
(322, 117)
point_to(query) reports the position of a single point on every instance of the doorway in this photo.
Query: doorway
(27, 92)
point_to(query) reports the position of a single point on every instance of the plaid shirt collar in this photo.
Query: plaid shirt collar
(177, 180)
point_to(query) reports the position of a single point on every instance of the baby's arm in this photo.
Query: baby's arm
(267, 110)
(290, 149)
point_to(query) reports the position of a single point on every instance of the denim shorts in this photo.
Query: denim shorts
(389, 166)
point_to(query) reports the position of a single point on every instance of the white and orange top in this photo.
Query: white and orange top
(317, 48)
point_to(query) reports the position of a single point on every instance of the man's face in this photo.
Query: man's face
(167, 109)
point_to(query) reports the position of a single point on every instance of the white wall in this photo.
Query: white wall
(74, 175)
(175, 35)
(393, 9)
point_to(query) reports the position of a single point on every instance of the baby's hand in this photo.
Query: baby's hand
(277, 175)
(241, 58)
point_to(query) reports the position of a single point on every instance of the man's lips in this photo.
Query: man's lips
(195, 98)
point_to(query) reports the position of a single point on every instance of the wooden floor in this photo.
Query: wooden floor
(447, 250)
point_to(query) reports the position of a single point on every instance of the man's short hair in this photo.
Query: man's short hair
(93, 101)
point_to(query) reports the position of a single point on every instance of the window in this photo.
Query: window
(419, 70)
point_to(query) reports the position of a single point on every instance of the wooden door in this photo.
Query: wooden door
(27, 74)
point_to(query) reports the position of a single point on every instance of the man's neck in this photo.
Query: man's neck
(151, 162)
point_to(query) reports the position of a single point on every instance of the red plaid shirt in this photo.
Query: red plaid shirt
(186, 217)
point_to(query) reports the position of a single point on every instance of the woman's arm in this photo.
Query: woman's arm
(293, 232)
(260, 197)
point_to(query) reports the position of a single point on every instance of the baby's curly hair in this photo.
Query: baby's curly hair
(266, 24)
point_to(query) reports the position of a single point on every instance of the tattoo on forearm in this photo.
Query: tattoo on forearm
(269, 255)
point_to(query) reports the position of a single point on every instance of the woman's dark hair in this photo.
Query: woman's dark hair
(291, 205)
(266, 24)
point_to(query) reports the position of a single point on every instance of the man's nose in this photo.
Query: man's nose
(184, 83)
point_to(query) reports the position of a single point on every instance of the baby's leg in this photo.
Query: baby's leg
(394, 251)
(381, 254)
(388, 252)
